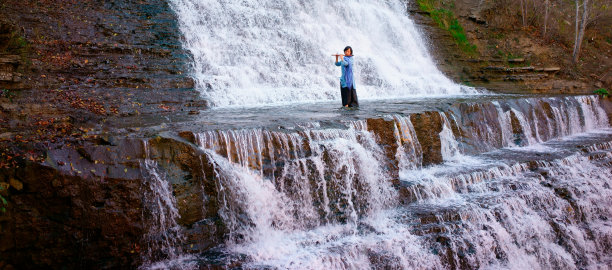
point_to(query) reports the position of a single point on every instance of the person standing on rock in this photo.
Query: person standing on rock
(347, 82)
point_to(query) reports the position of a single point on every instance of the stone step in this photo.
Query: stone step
(516, 60)
(526, 77)
(548, 69)
(9, 59)
(508, 69)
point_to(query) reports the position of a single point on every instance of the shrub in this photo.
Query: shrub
(602, 92)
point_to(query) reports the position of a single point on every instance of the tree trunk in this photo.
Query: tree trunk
(577, 24)
(546, 7)
(580, 27)
(523, 9)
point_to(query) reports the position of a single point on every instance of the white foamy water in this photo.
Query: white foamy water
(494, 216)
(315, 214)
(279, 52)
(533, 196)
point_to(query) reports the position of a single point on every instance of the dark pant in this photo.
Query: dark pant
(349, 96)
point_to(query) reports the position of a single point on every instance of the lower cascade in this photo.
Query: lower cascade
(510, 184)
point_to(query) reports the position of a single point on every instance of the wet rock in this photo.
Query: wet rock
(477, 127)
(65, 224)
(64, 213)
(16, 184)
(517, 130)
(564, 193)
(192, 175)
(385, 133)
(606, 103)
(428, 126)
(187, 135)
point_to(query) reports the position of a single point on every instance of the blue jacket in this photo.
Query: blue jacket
(346, 80)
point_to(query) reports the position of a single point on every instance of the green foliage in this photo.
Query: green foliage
(497, 35)
(458, 34)
(426, 5)
(7, 94)
(441, 14)
(4, 202)
(602, 92)
(468, 83)
(14, 43)
(18, 43)
(512, 56)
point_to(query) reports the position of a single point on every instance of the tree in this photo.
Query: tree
(524, 12)
(546, 8)
(581, 23)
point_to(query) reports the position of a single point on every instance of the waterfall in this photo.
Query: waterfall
(492, 214)
(520, 184)
(325, 210)
(450, 146)
(278, 52)
(163, 235)
(298, 166)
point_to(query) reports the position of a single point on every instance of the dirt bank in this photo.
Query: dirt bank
(510, 57)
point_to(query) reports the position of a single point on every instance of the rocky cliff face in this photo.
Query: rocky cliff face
(91, 59)
(65, 68)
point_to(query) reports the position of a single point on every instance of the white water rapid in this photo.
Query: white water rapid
(262, 52)
(534, 195)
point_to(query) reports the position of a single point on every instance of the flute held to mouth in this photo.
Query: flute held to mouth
(339, 55)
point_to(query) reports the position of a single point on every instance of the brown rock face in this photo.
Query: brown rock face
(84, 207)
(57, 219)
(91, 59)
(385, 132)
(517, 130)
(12, 48)
(606, 103)
(428, 126)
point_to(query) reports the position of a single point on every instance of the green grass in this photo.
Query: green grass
(426, 5)
(441, 14)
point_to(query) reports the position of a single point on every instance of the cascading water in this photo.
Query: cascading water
(409, 153)
(324, 210)
(278, 52)
(163, 235)
(318, 198)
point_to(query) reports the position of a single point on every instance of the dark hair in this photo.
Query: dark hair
(349, 47)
